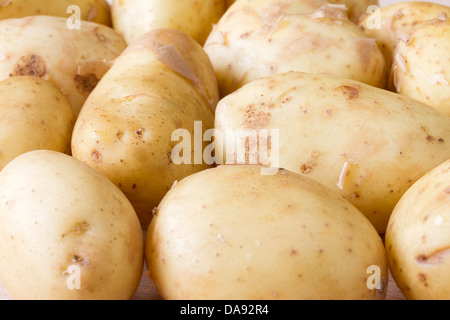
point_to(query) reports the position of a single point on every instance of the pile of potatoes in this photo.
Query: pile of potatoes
(243, 150)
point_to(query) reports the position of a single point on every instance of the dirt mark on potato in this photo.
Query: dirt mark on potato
(31, 65)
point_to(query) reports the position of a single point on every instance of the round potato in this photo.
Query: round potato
(66, 232)
(421, 67)
(418, 238)
(35, 115)
(367, 144)
(149, 100)
(88, 10)
(73, 60)
(256, 38)
(393, 23)
(233, 233)
(133, 18)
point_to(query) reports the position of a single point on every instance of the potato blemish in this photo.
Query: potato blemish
(437, 257)
(86, 83)
(351, 92)
(80, 228)
(31, 65)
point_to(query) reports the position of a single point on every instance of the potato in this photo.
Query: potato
(66, 232)
(35, 115)
(256, 38)
(162, 83)
(367, 144)
(397, 21)
(418, 238)
(232, 233)
(421, 67)
(73, 60)
(90, 10)
(133, 18)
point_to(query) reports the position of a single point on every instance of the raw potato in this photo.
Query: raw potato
(73, 60)
(163, 82)
(397, 21)
(418, 238)
(133, 18)
(35, 115)
(367, 144)
(59, 220)
(232, 233)
(90, 10)
(256, 38)
(421, 67)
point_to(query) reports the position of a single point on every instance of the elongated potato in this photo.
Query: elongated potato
(73, 60)
(133, 18)
(256, 38)
(421, 67)
(127, 129)
(367, 144)
(395, 22)
(66, 232)
(418, 238)
(35, 116)
(90, 10)
(232, 233)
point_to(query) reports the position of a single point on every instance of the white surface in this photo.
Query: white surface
(384, 3)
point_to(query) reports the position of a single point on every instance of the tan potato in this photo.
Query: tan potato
(89, 10)
(162, 83)
(418, 238)
(367, 144)
(256, 38)
(395, 22)
(35, 115)
(232, 233)
(421, 67)
(66, 232)
(73, 60)
(133, 18)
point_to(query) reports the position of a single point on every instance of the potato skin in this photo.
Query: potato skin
(256, 38)
(421, 68)
(35, 115)
(133, 18)
(418, 239)
(73, 60)
(357, 9)
(56, 212)
(162, 82)
(90, 10)
(368, 144)
(232, 233)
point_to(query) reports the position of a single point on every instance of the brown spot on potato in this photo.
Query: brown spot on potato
(351, 92)
(97, 157)
(139, 133)
(31, 65)
(435, 258)
(255, 119)
(86, 83)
